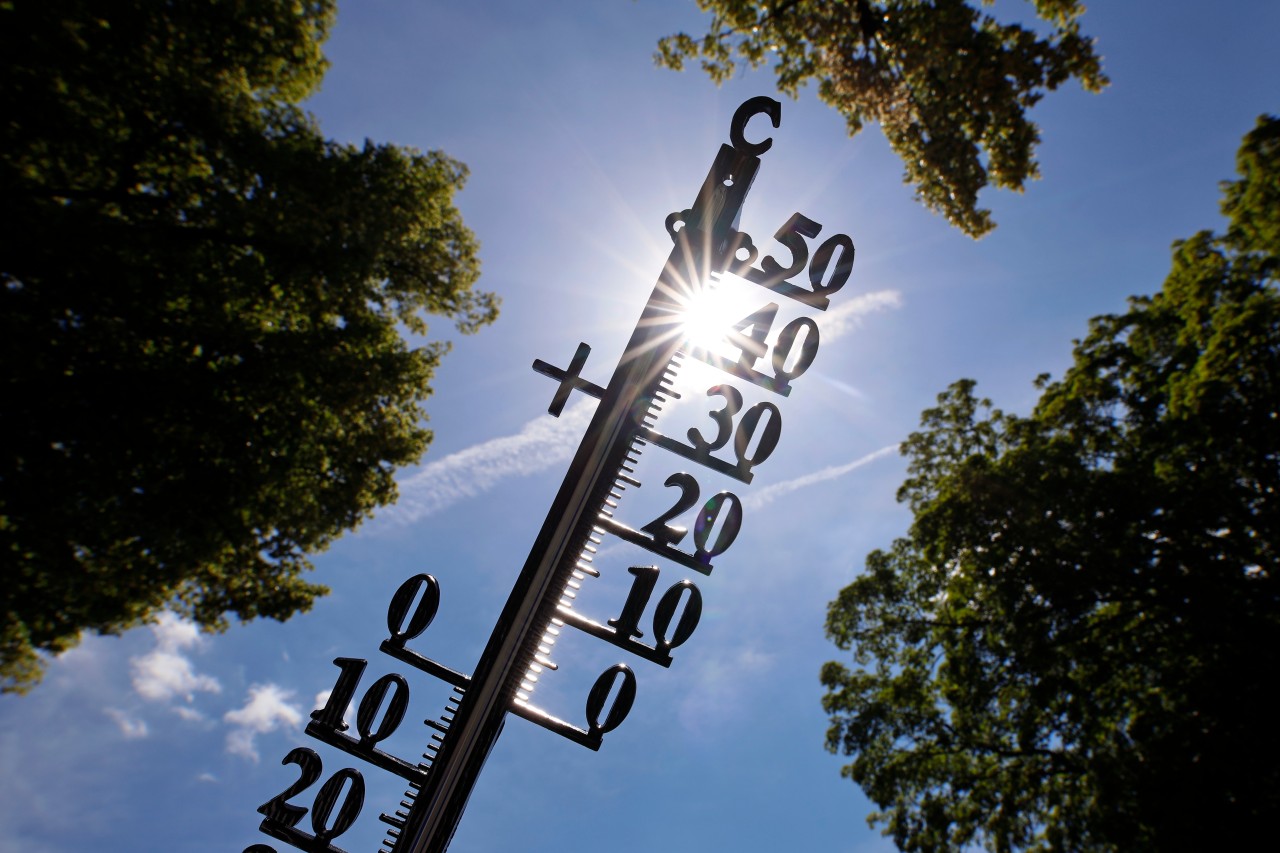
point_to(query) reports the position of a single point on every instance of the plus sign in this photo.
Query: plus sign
(569, 379)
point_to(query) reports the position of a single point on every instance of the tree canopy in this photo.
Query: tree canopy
(1074, 646)
(949, 85)
(201, 316)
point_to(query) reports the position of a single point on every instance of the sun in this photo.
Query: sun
(710, 315)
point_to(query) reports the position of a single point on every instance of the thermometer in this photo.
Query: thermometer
(587, 513)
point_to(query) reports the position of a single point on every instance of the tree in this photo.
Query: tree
(949, 86)
(204, 375)
(1074, 648)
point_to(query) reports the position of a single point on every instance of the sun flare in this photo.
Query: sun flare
(711, 314)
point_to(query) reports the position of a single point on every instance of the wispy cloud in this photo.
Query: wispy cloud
(164, 673)
(268, 708)
(540, 444)
(546, 442)
(131, 727)
(768, 494)
(849, 315)
(717, 691)
(191, 715)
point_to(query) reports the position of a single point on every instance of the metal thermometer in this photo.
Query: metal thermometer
(707, 243)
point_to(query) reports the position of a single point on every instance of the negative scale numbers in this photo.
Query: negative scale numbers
(380, 712)
(382, 707)
(282, 818)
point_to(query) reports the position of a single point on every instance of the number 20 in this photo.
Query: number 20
(727, 502)
(278, 810)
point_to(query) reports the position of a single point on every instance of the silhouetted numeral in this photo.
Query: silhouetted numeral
(628, 622)
(406, 620)
(787, 341)
(753, 345)
(674, 619)
(423, 613)
(371, 705)
(379, 714)
(278, 809)
(791, 235)
(722, 417)
(818, 270)
(752, 348)
(707, 522)
(771, 274)
(335, 707)
(621, 705)
(768, 436)
(690, 606)
(749, 431)
(663, 533)
(282, 818)
(690, 613)
(352, 802)
(724, 502)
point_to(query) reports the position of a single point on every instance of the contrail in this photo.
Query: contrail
(768, 494)
(545, 442)
(540, 444)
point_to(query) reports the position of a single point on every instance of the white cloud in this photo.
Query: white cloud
(240, 742)
(766, 495)
(191, 715)
(160, 676)
(540, 444)
(165, 673)
(131, 727)
(174, 632)
(268, 708)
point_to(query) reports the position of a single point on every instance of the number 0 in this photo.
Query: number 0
(621, 704)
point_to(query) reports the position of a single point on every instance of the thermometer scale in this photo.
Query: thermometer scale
(584, 513)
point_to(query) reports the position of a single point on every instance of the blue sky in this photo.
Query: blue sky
(579, 147)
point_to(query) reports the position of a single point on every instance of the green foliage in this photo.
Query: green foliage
(200, 308)
(949, 86)
(1074, 646)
